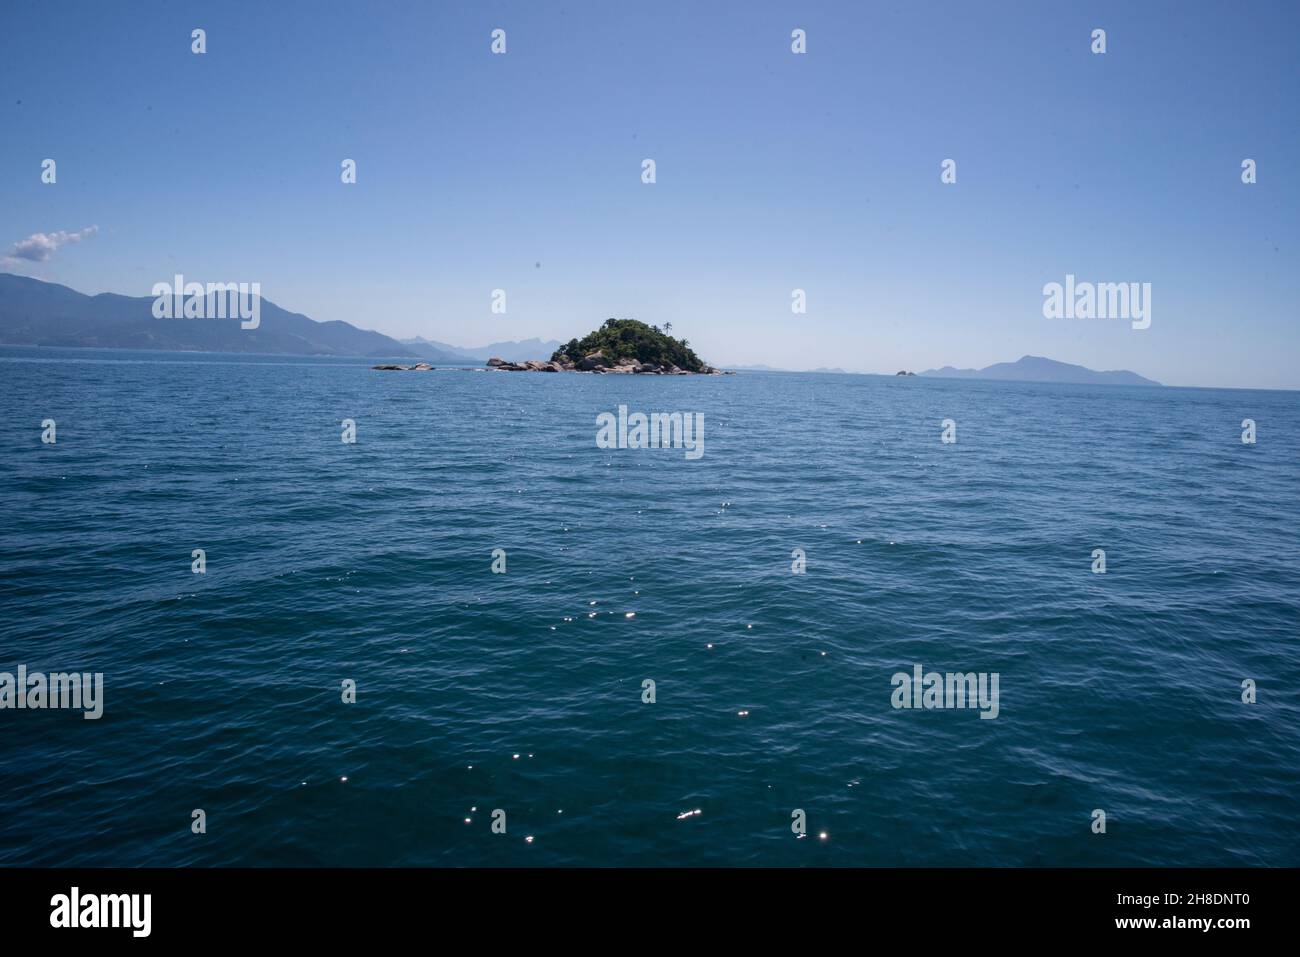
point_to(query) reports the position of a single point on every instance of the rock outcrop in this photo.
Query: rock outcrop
(597, 364)
(592, 362)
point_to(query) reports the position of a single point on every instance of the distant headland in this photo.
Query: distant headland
(1039, 369)
(38, 313)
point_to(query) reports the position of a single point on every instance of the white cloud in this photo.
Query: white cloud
(40, 247)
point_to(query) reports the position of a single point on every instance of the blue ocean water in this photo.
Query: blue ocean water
(523, 691)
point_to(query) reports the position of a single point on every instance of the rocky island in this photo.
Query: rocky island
(619, 346)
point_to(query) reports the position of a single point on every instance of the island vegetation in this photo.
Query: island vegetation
(620, 340)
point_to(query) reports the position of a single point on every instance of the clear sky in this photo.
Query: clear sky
(775, 171)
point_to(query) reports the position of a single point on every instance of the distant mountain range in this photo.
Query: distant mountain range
(35, 313)
(1038, 369)
(514, 351)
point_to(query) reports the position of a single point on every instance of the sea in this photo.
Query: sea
(564, 654)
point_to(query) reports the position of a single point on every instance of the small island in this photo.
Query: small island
(619, 346)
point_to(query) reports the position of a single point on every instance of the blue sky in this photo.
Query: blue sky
(775, 171)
